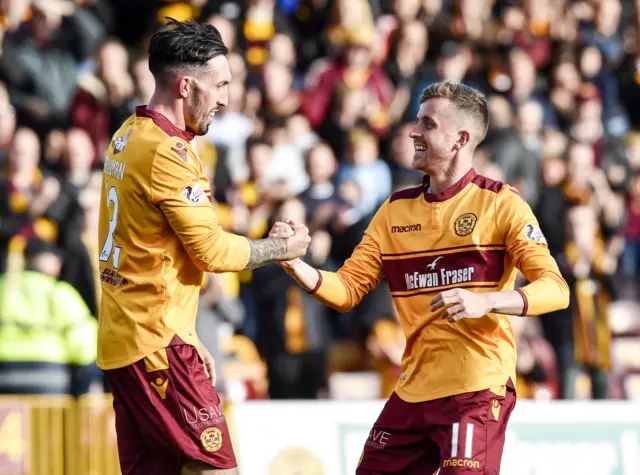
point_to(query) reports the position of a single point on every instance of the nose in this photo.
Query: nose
(413, 133)
(223, 99)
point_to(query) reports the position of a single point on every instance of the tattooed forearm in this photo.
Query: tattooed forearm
(265, 251)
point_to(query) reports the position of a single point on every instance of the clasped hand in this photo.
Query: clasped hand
(297, 236)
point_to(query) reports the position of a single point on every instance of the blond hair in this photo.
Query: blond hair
(467, 100)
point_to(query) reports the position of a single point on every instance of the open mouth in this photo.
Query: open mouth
(420, 147)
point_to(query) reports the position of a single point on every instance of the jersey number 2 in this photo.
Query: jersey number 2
(108, 248)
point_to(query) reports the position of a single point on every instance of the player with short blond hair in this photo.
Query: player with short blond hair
(450, 250)
(158, 233)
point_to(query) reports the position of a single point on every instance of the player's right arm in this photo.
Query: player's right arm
(344, 289)
(176, 190)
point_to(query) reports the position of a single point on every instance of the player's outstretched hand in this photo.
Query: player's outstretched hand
(461, 303)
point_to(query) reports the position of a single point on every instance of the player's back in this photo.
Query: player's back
(150, 286)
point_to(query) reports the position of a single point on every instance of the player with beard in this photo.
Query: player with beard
(450, 250)
(158, 233)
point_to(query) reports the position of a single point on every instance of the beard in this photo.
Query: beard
(198, 120)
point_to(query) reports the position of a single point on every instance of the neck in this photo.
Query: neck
(444, 179)
(168, 107)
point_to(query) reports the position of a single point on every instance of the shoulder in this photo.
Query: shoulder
(407, 194)
(489, 184)
(503, 191)
(174, 148)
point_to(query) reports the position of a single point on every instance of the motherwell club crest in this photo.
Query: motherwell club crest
(463, 226)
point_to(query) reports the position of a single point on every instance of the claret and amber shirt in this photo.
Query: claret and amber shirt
(475, 236)
(158, 233)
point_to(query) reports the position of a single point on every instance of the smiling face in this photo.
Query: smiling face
(435, 135)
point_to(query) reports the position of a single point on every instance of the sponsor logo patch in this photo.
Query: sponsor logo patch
(406, 229)
(534, 233)
(160, 387)
(194, 194)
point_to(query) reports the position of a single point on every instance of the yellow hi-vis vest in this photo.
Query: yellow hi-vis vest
(44, 320)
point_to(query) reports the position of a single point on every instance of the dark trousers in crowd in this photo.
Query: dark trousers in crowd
(296, 376)
(558, 330)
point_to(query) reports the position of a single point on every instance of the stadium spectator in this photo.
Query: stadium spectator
(563, 86)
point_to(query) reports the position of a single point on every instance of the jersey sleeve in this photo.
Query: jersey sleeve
(527, 247)
(177, 191)
(344, 289)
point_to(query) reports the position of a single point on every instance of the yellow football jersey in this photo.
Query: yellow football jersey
(158, 232)
(475, 236)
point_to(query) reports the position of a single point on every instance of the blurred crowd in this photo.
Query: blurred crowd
(323, 96)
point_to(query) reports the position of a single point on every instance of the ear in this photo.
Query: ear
(463, 139)
(184, 86)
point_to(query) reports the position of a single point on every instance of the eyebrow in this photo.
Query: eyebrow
(426, 119)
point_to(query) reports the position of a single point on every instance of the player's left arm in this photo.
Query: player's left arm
(527, 247)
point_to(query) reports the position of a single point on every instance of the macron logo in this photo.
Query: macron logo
(406, 229)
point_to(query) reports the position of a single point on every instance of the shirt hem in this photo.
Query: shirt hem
(488, 384)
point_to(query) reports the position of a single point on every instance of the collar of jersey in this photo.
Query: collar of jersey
(164, 123)
(450, 192)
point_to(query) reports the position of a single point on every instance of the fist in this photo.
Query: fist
(461, 303)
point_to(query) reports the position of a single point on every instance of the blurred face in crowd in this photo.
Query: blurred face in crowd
(47, 263)
(364, 150)
(634, 188)
(435, 135)
(554, 143)
(80, 150)
(500, 116)
(25, 151)
(403, 150)
(453, 65)
(590, 111)
(7, 123)
(206, 93)
(590, 62)
(226, 29)
(523, 75)
(406, 10)
(608, 17)
(530, 117)
(349, 191)
(553, 171)
(432, 7)
(633, 154)
(358, 56)
(583, 226)
(237, 66)
(580, 163)
(414, 41)
(278, 80)
(143, 79)
(259, 159)
(321, 164)
(112, 59)
(282, 50)
(566, 76)
(293, 209)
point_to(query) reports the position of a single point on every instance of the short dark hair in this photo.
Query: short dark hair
(466, 99)
(183, 44)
